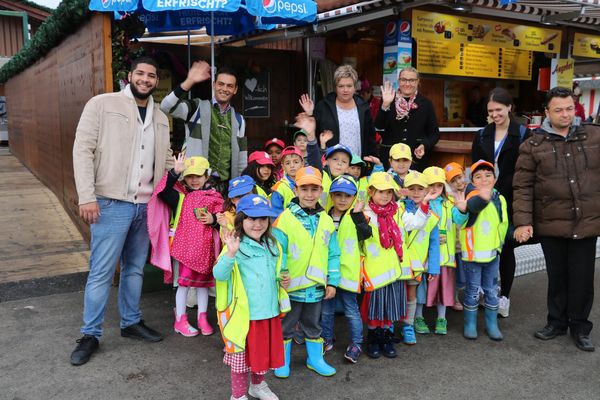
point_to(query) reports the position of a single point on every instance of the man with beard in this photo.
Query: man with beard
(121, 151)
(213, 128)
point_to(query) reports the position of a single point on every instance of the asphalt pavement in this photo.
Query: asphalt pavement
(38, 335)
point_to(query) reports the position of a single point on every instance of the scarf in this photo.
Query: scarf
(404, 106)
(389, 233)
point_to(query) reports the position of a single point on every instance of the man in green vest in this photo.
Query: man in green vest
(214, 129)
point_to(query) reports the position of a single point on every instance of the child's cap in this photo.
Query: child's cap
(452, 170)
(337, 148)
(289, 151)
(241, 185)
(400, 150)
(195, 166)
(415, 178)
(356, 160)
(382, 181)
(309, 176)
(255, 206)
(481, 164)
(300, 132)
(261, 158)
(434, 175)
(345, 184)
(274, 141)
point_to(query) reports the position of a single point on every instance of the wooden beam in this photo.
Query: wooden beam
(107, 44)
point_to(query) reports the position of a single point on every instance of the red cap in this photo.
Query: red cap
(275, 141)
(291, 150)
(261, 158)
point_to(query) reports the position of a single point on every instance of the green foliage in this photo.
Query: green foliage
(66, 19)
(122, 51)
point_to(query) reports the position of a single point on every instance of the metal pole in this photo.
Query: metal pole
(309, 75)
(189, 58)
(212, 54)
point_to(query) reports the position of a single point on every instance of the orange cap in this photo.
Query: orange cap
(309, 176)
(453, 169)
(481, 163)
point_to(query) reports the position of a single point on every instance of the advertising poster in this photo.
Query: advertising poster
(397, 51)
(586, 45)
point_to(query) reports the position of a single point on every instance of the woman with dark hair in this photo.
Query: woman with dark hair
(498, 143)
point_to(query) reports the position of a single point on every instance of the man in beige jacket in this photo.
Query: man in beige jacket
(120, 153)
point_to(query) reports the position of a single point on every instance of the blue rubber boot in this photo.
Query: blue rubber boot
(284, 372)
(470, 326)
(315, 361)
(491, 324)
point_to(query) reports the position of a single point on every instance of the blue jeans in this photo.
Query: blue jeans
(120, 233)
(484, 275)
(348, 299)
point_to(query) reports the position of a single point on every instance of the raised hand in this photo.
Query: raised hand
(486, 193)
(460, 202)
(199, 72)
(307, 123)
(179, 162)
(307, 104)
(325, 137)
(232, 242)
(372, 159)
(387, 94)
(359, 206)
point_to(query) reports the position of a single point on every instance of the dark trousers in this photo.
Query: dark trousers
(570, 269)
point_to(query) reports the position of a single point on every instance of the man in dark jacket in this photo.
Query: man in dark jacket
(556, 196)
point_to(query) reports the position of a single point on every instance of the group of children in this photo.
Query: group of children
(287, 251)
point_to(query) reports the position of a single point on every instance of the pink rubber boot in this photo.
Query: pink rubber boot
(183, 326)
(203, 324)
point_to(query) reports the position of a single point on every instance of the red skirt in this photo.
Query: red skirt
(440, 290)
(264, 348)
(190, 278)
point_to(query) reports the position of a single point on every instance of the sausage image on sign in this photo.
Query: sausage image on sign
(549, 38)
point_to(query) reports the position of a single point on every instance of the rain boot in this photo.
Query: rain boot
(284, 372)
(491, 324)
(315, 361)
(470, 326)
(386, 344)
(373, 349)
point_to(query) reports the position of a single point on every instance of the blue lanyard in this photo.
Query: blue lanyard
(497, 151)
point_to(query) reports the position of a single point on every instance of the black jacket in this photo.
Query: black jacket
(326, 116)
(483, 149)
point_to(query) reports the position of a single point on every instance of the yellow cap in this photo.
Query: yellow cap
(415, 178)
(400, 150)
(382, 181)
(309, 176)
(195, 166)
(434, 175)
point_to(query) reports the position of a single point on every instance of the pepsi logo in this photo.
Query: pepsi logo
(405, 28)
(390, 29)
(270, 5)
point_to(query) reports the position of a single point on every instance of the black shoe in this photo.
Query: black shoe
(86, 346)
(387, 346)
(583, 342)
(141, 332)
(373, 349)
(549, 332)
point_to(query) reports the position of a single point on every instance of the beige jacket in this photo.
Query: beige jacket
(103, 149)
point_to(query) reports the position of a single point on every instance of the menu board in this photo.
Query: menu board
(473, 60)
(586, 45)
(459, 29)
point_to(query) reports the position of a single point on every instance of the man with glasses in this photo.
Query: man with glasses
(407, 117)
(121, 151)
(556, 198)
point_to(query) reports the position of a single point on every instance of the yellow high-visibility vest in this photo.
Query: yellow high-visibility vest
(483, 241)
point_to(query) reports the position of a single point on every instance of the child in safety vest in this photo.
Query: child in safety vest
(274, 147)
(309, 241)
(250, 298)
(385, 297)
(421, 248)
(195, 238)
(260, 168)
(283, 190)
(441, 288)
(352, 229)
(238, 188)
(455, 186)
(481, 240)
(400, 161)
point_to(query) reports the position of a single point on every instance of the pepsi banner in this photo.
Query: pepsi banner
(283, 11)
(201, 5)
(224, 23)
(113, 5)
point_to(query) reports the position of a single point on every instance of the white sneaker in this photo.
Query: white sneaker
(503, 306)
(262, 392)
(244, 397)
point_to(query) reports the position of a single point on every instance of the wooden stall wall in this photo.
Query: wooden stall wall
(46, 100)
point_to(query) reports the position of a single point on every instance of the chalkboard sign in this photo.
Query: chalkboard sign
(256, 96)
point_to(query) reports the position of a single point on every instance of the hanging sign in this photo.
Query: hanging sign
(586, 45)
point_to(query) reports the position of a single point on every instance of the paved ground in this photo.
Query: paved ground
(38, 335)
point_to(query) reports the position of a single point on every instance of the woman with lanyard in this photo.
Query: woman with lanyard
(498, 143)
(407, 117)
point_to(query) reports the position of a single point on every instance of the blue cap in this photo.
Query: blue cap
(241, 185)
(336, 148)
(255, 206)
(344, 184)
